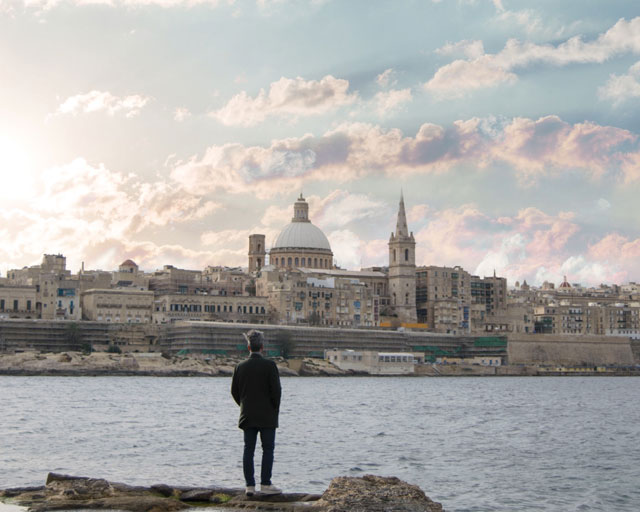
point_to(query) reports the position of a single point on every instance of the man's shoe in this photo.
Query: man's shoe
(270, 489)
(250, 490)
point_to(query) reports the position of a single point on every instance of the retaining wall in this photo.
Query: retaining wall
(570, 350)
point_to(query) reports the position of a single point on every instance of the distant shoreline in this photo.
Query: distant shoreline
(150, 364)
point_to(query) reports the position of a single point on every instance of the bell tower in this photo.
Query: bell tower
(402, 269)
(257, 252)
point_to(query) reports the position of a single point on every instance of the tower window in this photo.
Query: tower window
(406, 255)
(394, 255)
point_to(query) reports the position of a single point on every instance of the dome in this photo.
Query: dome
(301, 235)
(128, 263)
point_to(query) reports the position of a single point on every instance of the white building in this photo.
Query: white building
(374, 363)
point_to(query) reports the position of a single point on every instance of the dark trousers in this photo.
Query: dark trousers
(268, 440)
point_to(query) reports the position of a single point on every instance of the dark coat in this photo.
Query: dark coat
(255, 387)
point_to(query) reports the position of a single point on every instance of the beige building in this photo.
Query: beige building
(119, 305)
(17, 301)
(220, 308)
(450, 300)
(620, 319)
(128, 274)
(338, 298)
(402, 269)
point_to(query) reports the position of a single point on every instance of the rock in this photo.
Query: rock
(345, 494)
(196, 495)
(64, 358)
(285, 371)
(225, 370)
(374, 494)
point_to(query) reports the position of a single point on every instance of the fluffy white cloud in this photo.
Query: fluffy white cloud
(466, 48)
(487, 70)
(80, 206)
(620, 88)
(103, 101)
(531, 245)
(387, 102)
(350, 151)
(290, 97)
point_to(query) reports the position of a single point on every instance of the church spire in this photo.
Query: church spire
(401, 224)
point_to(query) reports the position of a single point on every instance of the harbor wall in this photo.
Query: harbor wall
(568, 350)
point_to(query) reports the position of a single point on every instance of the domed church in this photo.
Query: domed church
(301, 244)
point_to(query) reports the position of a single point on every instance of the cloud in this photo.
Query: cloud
(288, 97)
(79, 206)
(387, 78)
(482, 70)
(466, 48)
(103, 101)
(44, 5)
(531, 244)
(387, 102)
(341, 208)
(603, 205)
(531, 148)
(180, 114)
(620, 88)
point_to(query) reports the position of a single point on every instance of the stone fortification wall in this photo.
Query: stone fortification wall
(61, 336)
(569, 350)
(226, 338)
(313, 341)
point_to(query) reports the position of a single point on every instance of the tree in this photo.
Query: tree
(286, 343)
(73, 337)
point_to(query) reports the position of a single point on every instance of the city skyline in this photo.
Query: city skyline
(167, 131)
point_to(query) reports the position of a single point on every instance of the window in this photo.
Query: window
(406, 255)
(289, 261)
(296, 260)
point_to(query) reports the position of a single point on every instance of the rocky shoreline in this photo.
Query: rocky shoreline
(154, 364)
(32, 363)
(369, 493)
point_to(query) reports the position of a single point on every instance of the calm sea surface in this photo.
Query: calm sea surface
(474, 444)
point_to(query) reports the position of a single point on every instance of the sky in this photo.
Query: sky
(167, 131)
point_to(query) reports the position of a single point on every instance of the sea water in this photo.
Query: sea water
(473, 444)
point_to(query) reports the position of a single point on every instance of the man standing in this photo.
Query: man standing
(255, 387)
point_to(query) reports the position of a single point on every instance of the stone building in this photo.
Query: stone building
(18, 301)
(220, 308)
(129, 275)
(402, 269)
(118, 305)
(332, 297)
(300, 244)
(620, 319)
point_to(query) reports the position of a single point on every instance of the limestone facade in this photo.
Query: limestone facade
(122, 305)
(402, 269)
(245, 309)
(18, 301)
(300, 244)
(335, 298)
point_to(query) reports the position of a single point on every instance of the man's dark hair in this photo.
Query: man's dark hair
(255, 340)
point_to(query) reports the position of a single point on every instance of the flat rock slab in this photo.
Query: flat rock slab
(345, 494)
